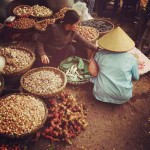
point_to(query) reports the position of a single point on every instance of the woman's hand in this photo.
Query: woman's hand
(45, 59)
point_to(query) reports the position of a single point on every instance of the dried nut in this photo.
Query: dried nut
(42, 82)
(20, 114)
(15, 59)
(88, 33)
(41, 11)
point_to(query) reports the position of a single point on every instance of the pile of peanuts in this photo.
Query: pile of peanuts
(88, 33)
(41, 11)
(42, 25)
(23, 23)
(15, 59)
(42, 82)
(61, 13)
(20, 114)
(23, 10)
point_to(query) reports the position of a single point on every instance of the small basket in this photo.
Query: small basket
(2, 84)
(78, 82)
(37, 128)
(45, 95)
(26, 68)
(25, 14)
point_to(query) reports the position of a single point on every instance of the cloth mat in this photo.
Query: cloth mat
(143, 61)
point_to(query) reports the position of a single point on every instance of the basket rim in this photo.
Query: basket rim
(77, 82)
(100, 19)
(27, 14)
(40, 69)
(97, 32)
(30, 64)
(38, 127)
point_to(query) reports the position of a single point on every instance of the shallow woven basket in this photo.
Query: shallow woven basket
(34, 130)
(79, 82)
(50, 94)
(26, 68)
(101, 33)
(24, 15)
(97, 34)
(2, 83)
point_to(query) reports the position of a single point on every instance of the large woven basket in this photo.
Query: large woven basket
(26, 68)
(105, 22)
(50, 94)
(78, 82)
(34, 130)
(2, 83)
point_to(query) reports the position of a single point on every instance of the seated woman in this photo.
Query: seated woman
(117, 67)
(56, 41)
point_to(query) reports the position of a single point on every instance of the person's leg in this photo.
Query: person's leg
(91, 5)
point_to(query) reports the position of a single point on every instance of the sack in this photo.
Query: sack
(82, 10)
(93, 68)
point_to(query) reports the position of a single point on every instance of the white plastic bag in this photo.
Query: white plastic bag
(82, 10)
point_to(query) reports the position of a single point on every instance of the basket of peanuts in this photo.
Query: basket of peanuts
(89, 33)
(18, 60)
(21, 115)
(22, 11)
(44, 82)
(21, 24)
(41, 12)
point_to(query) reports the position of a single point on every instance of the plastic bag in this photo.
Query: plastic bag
(82, 10)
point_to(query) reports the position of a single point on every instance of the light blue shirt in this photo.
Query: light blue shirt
(113, 83)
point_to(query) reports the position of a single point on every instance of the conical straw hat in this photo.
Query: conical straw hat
(116, 40)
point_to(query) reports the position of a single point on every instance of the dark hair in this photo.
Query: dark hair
(71, 17)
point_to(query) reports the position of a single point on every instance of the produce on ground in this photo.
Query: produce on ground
(66, 118)
(88, 33)
(22, 10)
(16, 59)
(20, 114)
(42, 25)
(22, 23)
(100, 25)
(43, 82)
(41, 11)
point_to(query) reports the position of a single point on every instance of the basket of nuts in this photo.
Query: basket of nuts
(89, 33)
(42, 25)
(18, 60)
(21, 24)
(41, 12)
(44, 81)
(22, 11)
(21, 114)
(1, 83)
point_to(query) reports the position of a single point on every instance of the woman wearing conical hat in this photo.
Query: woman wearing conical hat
(117, 68)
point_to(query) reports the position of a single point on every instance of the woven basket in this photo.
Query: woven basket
(97, 34)
(78, 82)
(45, 95)
(2, 83)
(34, 130)
(24, 15)
(26, 68)
(96, 20)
